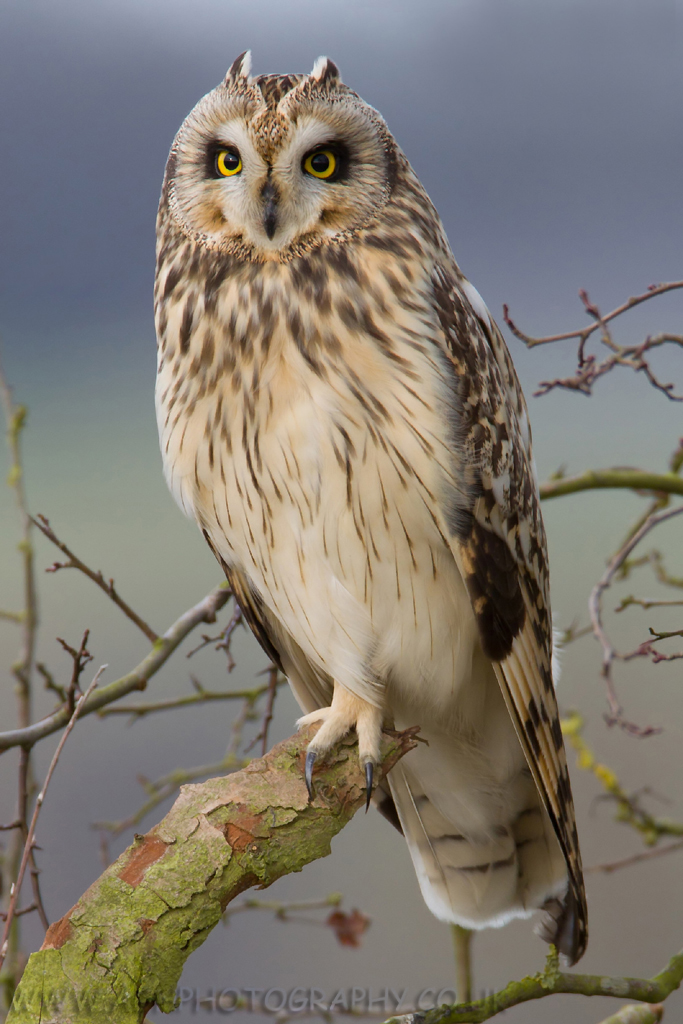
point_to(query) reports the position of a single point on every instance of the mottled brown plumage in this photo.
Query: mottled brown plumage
(340, 415)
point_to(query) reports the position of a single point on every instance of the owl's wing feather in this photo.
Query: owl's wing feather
(498, 542)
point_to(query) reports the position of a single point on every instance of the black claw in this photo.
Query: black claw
(369, 771)
(308, 772)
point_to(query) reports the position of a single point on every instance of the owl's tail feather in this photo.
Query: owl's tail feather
(482, 877)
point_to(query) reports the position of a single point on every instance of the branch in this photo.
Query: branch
(122, 948)
(550, 982)
(107, 586)
(205, 611)
(599, 479)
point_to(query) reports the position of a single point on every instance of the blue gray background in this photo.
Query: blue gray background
(549, 137)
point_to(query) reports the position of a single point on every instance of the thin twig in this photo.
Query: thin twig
(636, 858)
(648, 603)
(224, 639)
(201, 697)
(585, 332)
(107, 586)
(80, 658)
(589, 366)
(609, 653)
(283, 910)
(274, 680)
(25, 789)
(28, 845)
(23, 669)
(20, 913)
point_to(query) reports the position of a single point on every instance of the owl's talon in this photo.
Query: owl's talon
(369, 772)
(308, 773)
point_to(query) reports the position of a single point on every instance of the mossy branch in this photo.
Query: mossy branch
(552, 981)
(122, 948)
(605, 479)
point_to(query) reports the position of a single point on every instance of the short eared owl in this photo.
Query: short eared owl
(340, 415)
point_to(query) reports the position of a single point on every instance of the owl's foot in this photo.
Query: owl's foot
(345, 713)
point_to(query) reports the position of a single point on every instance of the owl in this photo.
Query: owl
(339, 414)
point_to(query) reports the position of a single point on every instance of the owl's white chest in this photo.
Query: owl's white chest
(325, 489)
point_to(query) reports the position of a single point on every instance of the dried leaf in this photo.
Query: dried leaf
(348, 927)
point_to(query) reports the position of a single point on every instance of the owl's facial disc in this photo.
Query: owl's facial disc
(264, 181)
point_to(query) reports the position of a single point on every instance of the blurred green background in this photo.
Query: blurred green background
(549, 137)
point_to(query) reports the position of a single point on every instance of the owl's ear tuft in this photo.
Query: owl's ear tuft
(325, 71)
(240, 69)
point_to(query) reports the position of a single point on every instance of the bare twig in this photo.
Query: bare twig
(609, 653)
(15, 416)
(283, 911)
(636, 858)
(20, 913)
(137, 679)
(589, 367)
(107, 586)
(80, 658)
(28, 844)
(223, 641)
(648, 603)
(25, 788)
(274, 680)
(202, 696)
(585, 332)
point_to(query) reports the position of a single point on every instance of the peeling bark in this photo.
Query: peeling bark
(122, 948)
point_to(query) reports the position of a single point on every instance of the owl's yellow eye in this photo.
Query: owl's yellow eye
(228, 162)
(322, 163)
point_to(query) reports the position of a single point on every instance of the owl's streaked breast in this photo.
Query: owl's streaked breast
(303, 424)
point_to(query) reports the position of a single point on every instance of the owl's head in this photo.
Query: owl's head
(272, 166)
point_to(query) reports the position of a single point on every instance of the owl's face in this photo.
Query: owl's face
(273, 165)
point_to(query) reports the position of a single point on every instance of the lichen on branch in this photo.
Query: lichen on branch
(122, 948)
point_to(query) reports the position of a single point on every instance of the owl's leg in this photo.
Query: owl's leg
(345, 713)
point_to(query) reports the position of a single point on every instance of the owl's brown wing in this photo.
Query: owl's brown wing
(498, 541)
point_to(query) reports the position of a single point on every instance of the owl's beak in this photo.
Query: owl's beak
(270, 196)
